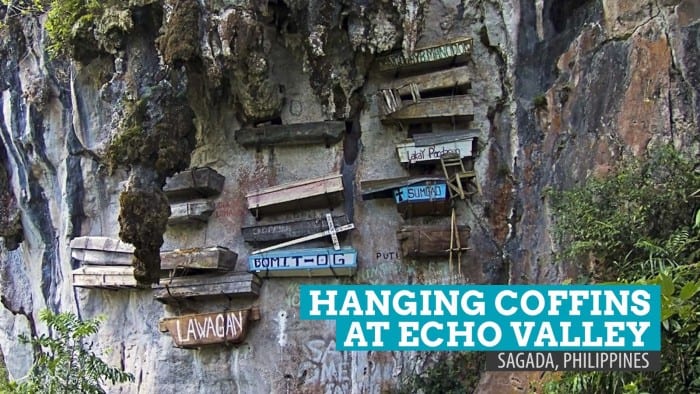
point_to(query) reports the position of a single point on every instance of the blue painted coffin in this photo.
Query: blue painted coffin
(305, 262)
(425, 192)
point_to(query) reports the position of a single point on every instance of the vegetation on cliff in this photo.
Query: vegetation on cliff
(641, 224)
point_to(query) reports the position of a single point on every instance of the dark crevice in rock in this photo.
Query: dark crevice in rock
(351, 148)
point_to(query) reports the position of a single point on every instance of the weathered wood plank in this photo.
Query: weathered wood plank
(327, 133)
(108, 277)
(430, 208)
(428, 56)
(429, 241)
(317, 192)
(425, 151)
(304, 262)
(207, 285)
(384, 188)
(190, 212)
(421, 192)
(196, 330)
(194, 183)
(284, 231)
(444, 79)
(101, 251)
(433, 109)
(214, 258)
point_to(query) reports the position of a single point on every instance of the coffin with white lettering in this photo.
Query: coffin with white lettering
(326, 191)
(304, 262)
(432, 241)
(283, 231)
(200, 182)
(232, 284)
(429, 147)
(212, 258)
(196, 330)
(101, 251)
(439, 54)
(422, 192)
(190, 212)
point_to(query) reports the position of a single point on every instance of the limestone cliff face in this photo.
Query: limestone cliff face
(561, 90)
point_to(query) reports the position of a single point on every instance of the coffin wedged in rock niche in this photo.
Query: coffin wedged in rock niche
(232, 284)
(190, 212)
(429, 57)
(431, 241)
(200, 182)
(322, 192)
(208, 258)
(324, 133)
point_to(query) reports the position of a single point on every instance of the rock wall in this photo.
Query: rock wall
(561, 90)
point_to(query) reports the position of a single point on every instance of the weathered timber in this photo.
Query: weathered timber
(200, 182)
(428, 208)
(104, 277)
(429, 241)
(432, 56)
(452, 108)
(331, 231)
(421, 192)
(304, 262)
(196, 330)
(320, 192)
(326, 133)
(431, 146)
(190, 212)
(444, 79)
(385, 188)
(213, 258)
(284, 231)
(207, 285)
(101, 251)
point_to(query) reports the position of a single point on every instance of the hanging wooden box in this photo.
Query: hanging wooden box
(207, 285)
(104, 277)
(320, 192)
(101, 251)
(190, 212)
(196, 330)
(428, 57)
(453, 108)
(212, 258)
(429, 241)
(326, 133)
(284, 231)
(429, 147)
(304, 262)
(423, 199)
(194, 183)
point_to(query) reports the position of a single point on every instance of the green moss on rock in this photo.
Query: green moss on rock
(180, 41)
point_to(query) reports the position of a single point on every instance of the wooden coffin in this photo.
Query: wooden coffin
(320, 192)
(304, 262)
(284, 231)
(232, 284)
(196, 330)
(402, 91)
(430, 241)
(212, 258)
(326, 133)
(386, 188)
(101, 251)
(452, 108)
(190, 212)
(427, 57)
(430, 147)
(104, 277)
(201, 182)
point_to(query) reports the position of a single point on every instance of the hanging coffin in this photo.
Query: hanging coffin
(211, 258)
(326, 133)
(428, 57)
(320, 192)
(201, 182)
(196, 330)
(284, 231)
(304, 262)
(429, 147)
(104, 277)
(457, 108)
(431, 241)
(414, 196)
(101, 251)
(207, 285)
(190, 212)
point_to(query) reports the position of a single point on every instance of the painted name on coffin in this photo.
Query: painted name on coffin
(223, 326)
(419, 193)
(429, 153)
(302, 259)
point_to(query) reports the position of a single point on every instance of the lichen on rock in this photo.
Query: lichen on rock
(180, 40)
(10, 218)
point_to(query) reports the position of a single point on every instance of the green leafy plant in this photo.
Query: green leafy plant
(69, 21)
(451, 373)
(65, 363)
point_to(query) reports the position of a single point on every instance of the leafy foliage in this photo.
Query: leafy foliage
(65, 363)
(65, 19)
(645, 228)
(452, 373)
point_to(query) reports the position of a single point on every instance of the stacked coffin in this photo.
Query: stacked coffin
(189, 193)
(104, 263)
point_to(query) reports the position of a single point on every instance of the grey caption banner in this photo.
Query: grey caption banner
(573, 361)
